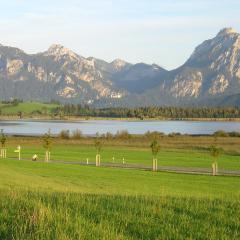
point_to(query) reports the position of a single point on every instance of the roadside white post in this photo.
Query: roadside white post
(123, 161)
(87, 161)
(18, 150)
(113, 159)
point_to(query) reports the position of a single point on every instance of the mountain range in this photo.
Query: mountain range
(211, 76)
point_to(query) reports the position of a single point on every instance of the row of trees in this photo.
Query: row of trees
(148, 112)
(155, 148)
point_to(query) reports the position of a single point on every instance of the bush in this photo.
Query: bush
(123, 134)
(234, 134)
(77, 134)
(221, 134)
(109, 136)
(174, 134)
(64, 134)
(154, 135)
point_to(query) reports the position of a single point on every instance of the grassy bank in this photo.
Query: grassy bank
(43, 201)
(59, 201)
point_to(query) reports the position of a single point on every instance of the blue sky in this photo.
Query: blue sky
(151, 31)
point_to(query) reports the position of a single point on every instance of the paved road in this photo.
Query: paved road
(185, 170)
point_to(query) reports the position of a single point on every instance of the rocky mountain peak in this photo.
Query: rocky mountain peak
(59, 50)
(227, 31)
(119, 64)
(212, 71)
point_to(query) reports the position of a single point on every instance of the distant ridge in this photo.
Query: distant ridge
(210, 74)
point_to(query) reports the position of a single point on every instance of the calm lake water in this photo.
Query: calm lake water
(135, 127)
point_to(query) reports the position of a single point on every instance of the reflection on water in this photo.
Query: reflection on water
(112, 126)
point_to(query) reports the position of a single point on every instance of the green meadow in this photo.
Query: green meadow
(137, 155)
(62, 201)
(27, 108)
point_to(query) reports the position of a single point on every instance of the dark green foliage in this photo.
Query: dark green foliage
(150, 112)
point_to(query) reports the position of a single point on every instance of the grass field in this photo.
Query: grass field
(27, 108)
(58, 201)
(171, 154)
(47, 201)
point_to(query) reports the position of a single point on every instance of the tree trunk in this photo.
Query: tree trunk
(155, 167)
(98, 160)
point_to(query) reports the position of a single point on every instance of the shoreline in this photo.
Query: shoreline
(76, 118)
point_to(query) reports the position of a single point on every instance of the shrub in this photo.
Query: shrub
(64, 134)
(174, 134)
(77, 134)
(234, 134)
(154, 135)
(109, 136)
(123, 134)
(221, 134)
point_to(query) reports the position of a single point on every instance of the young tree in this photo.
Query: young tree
(215, 153)
(47, 144)
(155, 150)
(3, 140)
(98, 146)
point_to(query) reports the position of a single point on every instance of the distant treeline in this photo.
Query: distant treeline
(125, 135)
(149, 112)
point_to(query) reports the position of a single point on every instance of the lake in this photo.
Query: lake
(90, 127)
